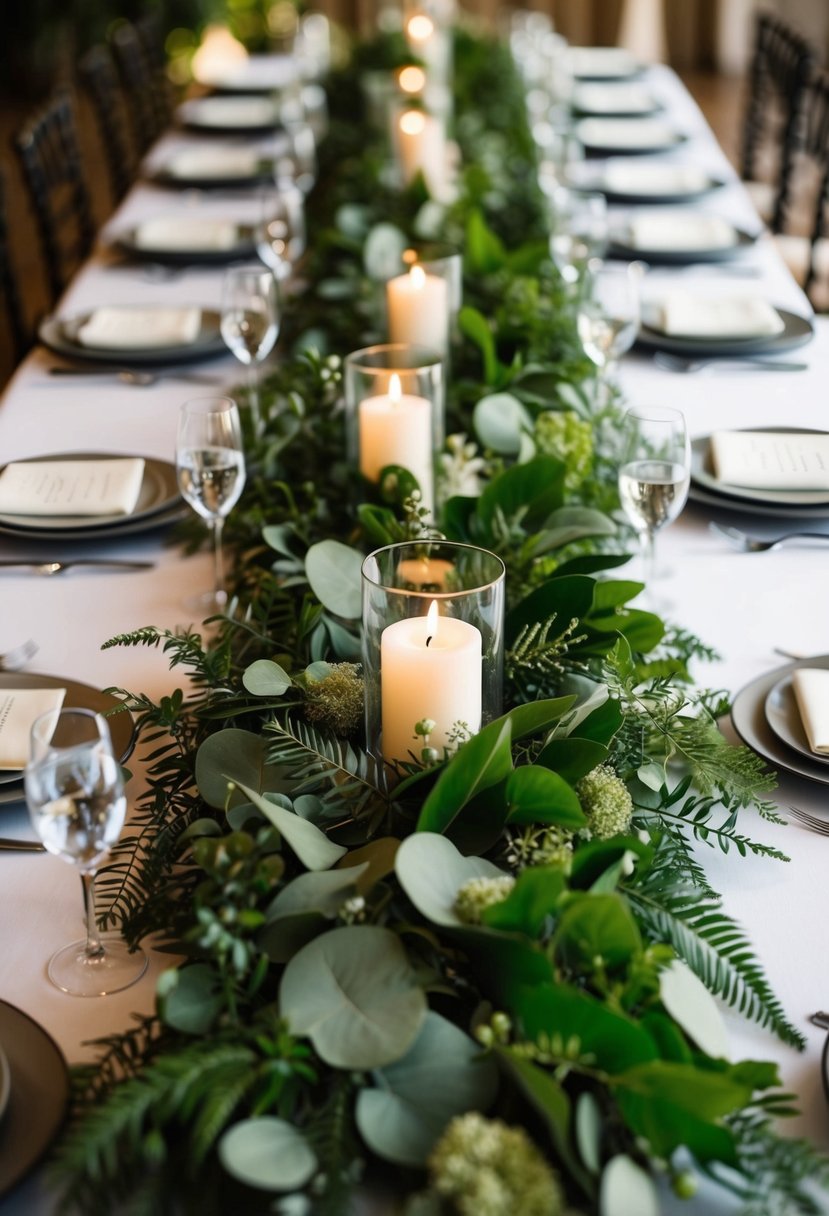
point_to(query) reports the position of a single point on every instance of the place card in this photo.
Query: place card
(771, 460)
(680, 231)
(18, 709)
(71, 487)
(811, 691)
(681, 314)
(114, 328)
(177, 233)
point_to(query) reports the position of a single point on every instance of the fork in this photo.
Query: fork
(18, 656)
(48, 569)
(821, 826)
(753, 544)
(678, 363)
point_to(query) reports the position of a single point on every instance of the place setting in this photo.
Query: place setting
(703, 326)
(677, 237)
(783, 715)
(646, 181)
(232, 115)
(774, 472)
(173, 239)
(218, 166)
(140, 335)
(602, 63)
(625, 99)
(612, 136)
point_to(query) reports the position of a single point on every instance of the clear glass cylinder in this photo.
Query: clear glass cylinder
(445, 261)
(394, 397)
(433, 647)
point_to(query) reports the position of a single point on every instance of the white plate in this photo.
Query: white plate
(748, 713)
(701, 473)
(783, 716)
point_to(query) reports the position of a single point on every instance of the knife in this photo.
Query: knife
(58, 567)
(25, 846)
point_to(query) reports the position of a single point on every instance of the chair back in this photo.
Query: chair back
(816, 146)
(99, 77)
(20, 337)
(141, 67)
(50, 157)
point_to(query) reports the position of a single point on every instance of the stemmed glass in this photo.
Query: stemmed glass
(77, 805)
(251, 315)
(609, 313)
(578, 231)
(280, 232)
(654, 474)
(210, 466)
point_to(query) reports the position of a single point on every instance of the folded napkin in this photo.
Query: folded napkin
(811, 691)
(116, 328)
(265, 72)
(771, 460)
(612, 99)
(604, 62)
(623, 177)
(680, 230)
(18, 709)
(233, 112)
(214, 162)
(626, 133)
(178, 232)
(71, 487)
(683, 315)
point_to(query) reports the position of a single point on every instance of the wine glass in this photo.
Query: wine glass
(77, 805)
(210, 466)
(251, 315)
(654, 474)
(578, 230)
(609, 313)
(280, 232)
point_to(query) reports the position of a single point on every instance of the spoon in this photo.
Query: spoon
(130, 376)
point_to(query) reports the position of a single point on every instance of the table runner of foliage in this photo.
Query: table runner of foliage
(482, 984)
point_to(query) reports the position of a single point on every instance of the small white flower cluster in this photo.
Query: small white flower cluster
(478, 894)
(462, 469)
(606, 801)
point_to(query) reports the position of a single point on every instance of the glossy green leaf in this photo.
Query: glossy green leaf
(531, 490)
(602, 723)
(568, 524)
(312, 847)
(537, 795)
(572, 758)
(533, 899)
(189, 998)
(551, 1102)
(267, 1153)
(484, 251)
(568, 1015)
(431, 871)
(595, 857)
(265, 678)
(481, 762)
(596, 926)
(564, 598)
(333, 570)
(383, 252)
(534, 717)
(474, 325)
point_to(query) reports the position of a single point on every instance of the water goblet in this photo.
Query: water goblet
(250, 320)
(578, 231)
(210, 466)
(654, 474)
(75, 795)
(280, 231)
(608, 314)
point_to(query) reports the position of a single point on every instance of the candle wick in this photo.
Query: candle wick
(428, 640)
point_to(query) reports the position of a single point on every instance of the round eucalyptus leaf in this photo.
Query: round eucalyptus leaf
(442, 1075)
(499, 420)
(333, 570)
(350, 219)
(283, 938)
(232, 755)
(690, 1004)
(312, 846)
(432, 871)
(189, 998)
(356, 996)
(383, 252)
(625, 1189)
(322, 892)
(264, 678)
(589, 1131)
(267, 1153)
(318, 671)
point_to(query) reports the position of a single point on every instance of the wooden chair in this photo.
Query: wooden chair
(141, 67)
(816, 146)
(99, 77)
(53, 173)
(781, 67)
(19, 334)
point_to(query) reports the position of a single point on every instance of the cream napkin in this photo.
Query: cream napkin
(683, 315)
(71, 487)
(18, 709)
(177, 232)
(118, 328)
(626, 133)
(605, 62)
(771, 460)
(811, 690)
(232, 112)
(680, 230)
(214, 162)
(612, 99)
(623, 177)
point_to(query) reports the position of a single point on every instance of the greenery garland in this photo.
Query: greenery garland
(491, 979)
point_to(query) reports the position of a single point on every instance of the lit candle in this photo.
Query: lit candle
(422, 146)
(396, 428)
(430, 667)
(418, 308)
(412, 80)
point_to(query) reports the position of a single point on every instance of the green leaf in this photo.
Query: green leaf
(267, 1153)
(383, 252)
(440, 1076)
(355, 995)
(312, 847)
(190, 998)
(536, 716)
(499, 420)
(568, 524)
(480, 763)
(323, 892)
(536, 795)
(484, 251)
(474, 325)
(596, 926)
(236, 756)
(285, 937)
(553, 1105)
(595, 857)
(530, 490)
(602, 723)
(532, 900)
(566, 1015)
(626, 1188)
(572, 758)
(431, 871)
(564, 598)
(264, 678)
(333, 570)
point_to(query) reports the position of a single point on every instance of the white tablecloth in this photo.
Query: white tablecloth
(743, 605)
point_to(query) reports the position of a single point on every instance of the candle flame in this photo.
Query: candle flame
(412, 122)
(420, 27)
(412, 79)
(395, 392)
(431, 621)
(218, 52)
(409, 257)
(417, 276)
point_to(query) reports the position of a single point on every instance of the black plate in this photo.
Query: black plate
(59, 334)
(245, 247)
(186, 117)
(631, 72)
(792, 500)
(599, 149)
(130, 527)
(740, 506)
(39, 1094)
(653, 109)
(680, 257)
(656, 200)
(264, 174)
(797, 331)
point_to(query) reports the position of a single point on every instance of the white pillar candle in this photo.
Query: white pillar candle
(396, 428)
(418, 308)
(430, 667)
(421, 143)
(430, 43)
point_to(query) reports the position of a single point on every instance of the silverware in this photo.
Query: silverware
(23, 846)
(18, 656)
(137, 379)
(678, 363)
(89, 563)
(821, 826)
(753, 544)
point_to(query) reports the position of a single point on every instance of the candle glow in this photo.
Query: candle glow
(412, 79)
(420, 27)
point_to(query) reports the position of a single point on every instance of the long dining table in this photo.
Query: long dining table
(744, 605)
